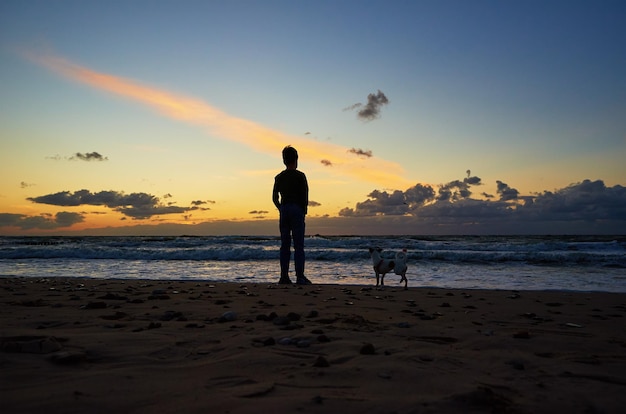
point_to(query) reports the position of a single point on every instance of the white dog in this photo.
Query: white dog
(384, 266)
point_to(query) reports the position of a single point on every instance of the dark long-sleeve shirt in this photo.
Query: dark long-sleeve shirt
(292, 186)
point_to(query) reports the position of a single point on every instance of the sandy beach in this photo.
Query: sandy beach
(144, 346)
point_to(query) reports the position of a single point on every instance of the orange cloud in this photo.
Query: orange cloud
(253, 135)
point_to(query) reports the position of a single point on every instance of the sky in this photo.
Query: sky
(410, 117)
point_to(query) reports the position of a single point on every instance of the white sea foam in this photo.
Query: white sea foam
(589, 263)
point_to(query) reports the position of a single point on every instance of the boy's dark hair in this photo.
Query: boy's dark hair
(290, 155)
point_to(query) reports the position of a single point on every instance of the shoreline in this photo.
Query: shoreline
(391, 284)
(142, 345)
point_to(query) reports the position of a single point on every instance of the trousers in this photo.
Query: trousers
(291, 224)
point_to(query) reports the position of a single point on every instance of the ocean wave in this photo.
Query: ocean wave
(546, 251)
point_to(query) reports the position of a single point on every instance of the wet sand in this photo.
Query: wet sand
(142, 346)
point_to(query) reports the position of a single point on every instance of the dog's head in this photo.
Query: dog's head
(401, 255)
(375, 249)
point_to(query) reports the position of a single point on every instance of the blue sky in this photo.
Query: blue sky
(497, 107)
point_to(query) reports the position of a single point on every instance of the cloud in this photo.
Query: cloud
(590, 203)
(418, 195)
(147, 211)
(587, 200)
(24, 184)
(371, 110)
(258, 214)
(42, 222)
(202, 202)
(89, 156)
(327, 163)
(353, 107)
(360, 152)
(314, 203)
(135, 205)
(587, 207)
(506, 193)
(379, 203)
(397, 203)
(79, 156)
(472, 180)
(225, 126)
(457, 190)
(9, 219)
(67, 219)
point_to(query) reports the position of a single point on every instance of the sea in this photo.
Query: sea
(564, 263)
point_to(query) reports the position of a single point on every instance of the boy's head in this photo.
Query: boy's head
(290, 155)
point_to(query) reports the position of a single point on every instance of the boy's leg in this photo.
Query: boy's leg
(285, 246)
(298, 227)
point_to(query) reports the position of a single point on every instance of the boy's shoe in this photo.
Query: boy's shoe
(284, 280)
(302, 280)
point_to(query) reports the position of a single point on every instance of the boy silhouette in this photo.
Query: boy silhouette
(291, 197)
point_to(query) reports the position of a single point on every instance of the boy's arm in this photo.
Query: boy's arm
(306, 196)
(275, 198)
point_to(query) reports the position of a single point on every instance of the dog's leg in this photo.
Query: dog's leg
(377, 279)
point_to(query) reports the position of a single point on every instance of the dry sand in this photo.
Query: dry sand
(143, 346)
